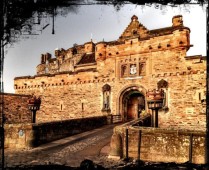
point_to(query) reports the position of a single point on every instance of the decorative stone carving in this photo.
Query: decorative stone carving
(133, 69)
(155, 94)
(106, 97)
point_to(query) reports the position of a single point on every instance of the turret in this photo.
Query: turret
(100, 51)
(181, 34)
(177, 20)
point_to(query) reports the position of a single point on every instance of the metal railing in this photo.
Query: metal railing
(114, 119)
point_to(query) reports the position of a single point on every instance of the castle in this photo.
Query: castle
(113, 77)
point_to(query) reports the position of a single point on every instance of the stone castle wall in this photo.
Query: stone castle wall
(157, 54)
(15, 108)
(84, 98)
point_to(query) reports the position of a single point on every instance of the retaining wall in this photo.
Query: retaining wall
(161, 145)
(31, 135)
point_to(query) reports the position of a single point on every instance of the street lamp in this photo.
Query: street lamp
(34, 105)
(155, 102)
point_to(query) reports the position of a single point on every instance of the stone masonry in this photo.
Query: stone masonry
(97, 79)
(158, 144)
(15, 108)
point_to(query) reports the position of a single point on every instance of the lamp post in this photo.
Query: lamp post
(34, 105)
(155, 102)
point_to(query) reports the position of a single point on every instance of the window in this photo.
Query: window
(61, 105)
(82, 107)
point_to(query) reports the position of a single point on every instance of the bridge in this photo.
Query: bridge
(69, 151)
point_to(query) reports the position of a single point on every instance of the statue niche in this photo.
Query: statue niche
(162, 84)
(106, 97)
(123, 70)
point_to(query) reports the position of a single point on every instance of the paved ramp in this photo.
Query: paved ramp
(69, 151)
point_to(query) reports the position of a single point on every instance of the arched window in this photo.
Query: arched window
(106, 97)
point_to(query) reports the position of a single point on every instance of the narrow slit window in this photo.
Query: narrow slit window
(199, 96)
(82, 106)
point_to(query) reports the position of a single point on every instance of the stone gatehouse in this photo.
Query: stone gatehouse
(95, 79)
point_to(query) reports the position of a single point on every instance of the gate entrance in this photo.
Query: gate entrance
(133, 103)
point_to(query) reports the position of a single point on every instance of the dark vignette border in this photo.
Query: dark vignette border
(117, 3)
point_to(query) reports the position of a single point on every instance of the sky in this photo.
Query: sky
(98, 22)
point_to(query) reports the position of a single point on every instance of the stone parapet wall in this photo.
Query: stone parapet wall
(15, 108)
(162, 145)
(47, 132)
(18, 136)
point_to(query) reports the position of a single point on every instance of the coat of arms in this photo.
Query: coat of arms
(133, 69)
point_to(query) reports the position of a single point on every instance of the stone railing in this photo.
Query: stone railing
(31, 135)
(157, 144)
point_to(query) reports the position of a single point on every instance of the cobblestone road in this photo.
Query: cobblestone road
(69, 151)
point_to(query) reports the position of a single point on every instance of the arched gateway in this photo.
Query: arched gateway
(131, 101)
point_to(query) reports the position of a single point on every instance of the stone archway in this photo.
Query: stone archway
(131, 102)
